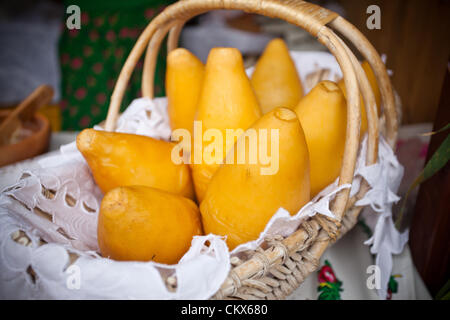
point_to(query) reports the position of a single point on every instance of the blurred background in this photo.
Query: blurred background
(81, 65)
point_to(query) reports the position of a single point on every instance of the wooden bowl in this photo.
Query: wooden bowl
(32, 145)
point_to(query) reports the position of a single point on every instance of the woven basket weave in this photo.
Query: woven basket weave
(277, 270)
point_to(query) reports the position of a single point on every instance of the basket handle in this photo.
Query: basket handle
(308, 16)
(363, 46)
(368, 96)
(384, 83)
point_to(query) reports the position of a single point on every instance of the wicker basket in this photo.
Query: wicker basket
(273, 273)
(280, 266)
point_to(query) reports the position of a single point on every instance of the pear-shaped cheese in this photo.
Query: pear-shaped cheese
(184, 79)
(323, 115)
(227, 101)
(141, 224)
(275, 79)
(121, 159)
(244, 195)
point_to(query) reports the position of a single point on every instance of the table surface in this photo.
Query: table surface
(343, 271)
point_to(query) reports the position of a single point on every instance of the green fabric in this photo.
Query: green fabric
(107, 5)
(92, 57)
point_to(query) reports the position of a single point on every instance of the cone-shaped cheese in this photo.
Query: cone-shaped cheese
(323, 115)
(373, 83)
(275, 79)
(184, 79)
(243, 196)
(227, 101)
(120, 159)
(142, 224)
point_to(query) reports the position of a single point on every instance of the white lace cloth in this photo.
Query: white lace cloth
(71, 225)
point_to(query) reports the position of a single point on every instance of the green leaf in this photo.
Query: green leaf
(436, 132)
(446, 297)
(444, 293)
(436, 163)
(438, 160)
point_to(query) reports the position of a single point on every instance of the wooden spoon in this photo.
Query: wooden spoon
(25, 112)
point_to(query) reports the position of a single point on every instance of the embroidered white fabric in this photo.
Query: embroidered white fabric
(58, 201)
(384, 178)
